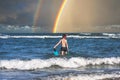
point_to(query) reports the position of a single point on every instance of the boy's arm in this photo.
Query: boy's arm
(57, 44)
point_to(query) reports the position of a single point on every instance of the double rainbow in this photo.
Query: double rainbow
(37, 14)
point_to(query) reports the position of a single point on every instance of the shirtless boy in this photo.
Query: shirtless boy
(64, 45)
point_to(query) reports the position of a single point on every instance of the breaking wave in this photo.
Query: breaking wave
(112, 76)
(81, 35)
(75, 62)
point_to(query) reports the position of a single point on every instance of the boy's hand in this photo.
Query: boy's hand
(54, 49)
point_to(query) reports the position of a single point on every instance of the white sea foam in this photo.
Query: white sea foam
(84, 77)
(44, 36)
(15, 28)
(69, 36)
(117, 35)
(62, 62)
(86, 33)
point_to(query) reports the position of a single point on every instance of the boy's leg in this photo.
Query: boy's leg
(65, 52)
(62, 52)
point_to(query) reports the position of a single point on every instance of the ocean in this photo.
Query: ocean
(29, 56)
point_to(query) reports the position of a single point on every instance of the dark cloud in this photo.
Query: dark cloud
(17, 11)
(22, 12)
(15, 5)
(21, 19)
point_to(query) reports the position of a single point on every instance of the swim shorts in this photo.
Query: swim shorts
(64, 49)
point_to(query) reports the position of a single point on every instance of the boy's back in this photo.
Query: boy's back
(64, 42)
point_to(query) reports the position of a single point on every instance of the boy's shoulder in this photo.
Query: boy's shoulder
(63, 39)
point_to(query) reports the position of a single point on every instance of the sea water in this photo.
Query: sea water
(92, 56)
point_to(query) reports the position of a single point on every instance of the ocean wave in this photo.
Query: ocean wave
(113, 35)
(62, 62)
(86, 33)
(44, 36)
(84, 77)
(69, 36)
(16, 28)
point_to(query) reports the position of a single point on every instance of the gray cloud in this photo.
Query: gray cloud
(11, 11)
(22, 12)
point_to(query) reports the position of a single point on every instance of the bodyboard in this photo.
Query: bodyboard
(56, 53)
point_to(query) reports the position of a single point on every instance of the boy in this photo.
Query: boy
(64, 45)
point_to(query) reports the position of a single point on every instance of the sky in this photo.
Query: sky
(77, 15)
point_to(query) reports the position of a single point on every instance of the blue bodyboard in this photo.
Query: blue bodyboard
(56, 53)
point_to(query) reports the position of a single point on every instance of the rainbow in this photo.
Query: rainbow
(58, 16)
(37, 15)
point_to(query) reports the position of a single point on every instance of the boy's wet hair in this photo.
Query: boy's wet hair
(64, 36)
